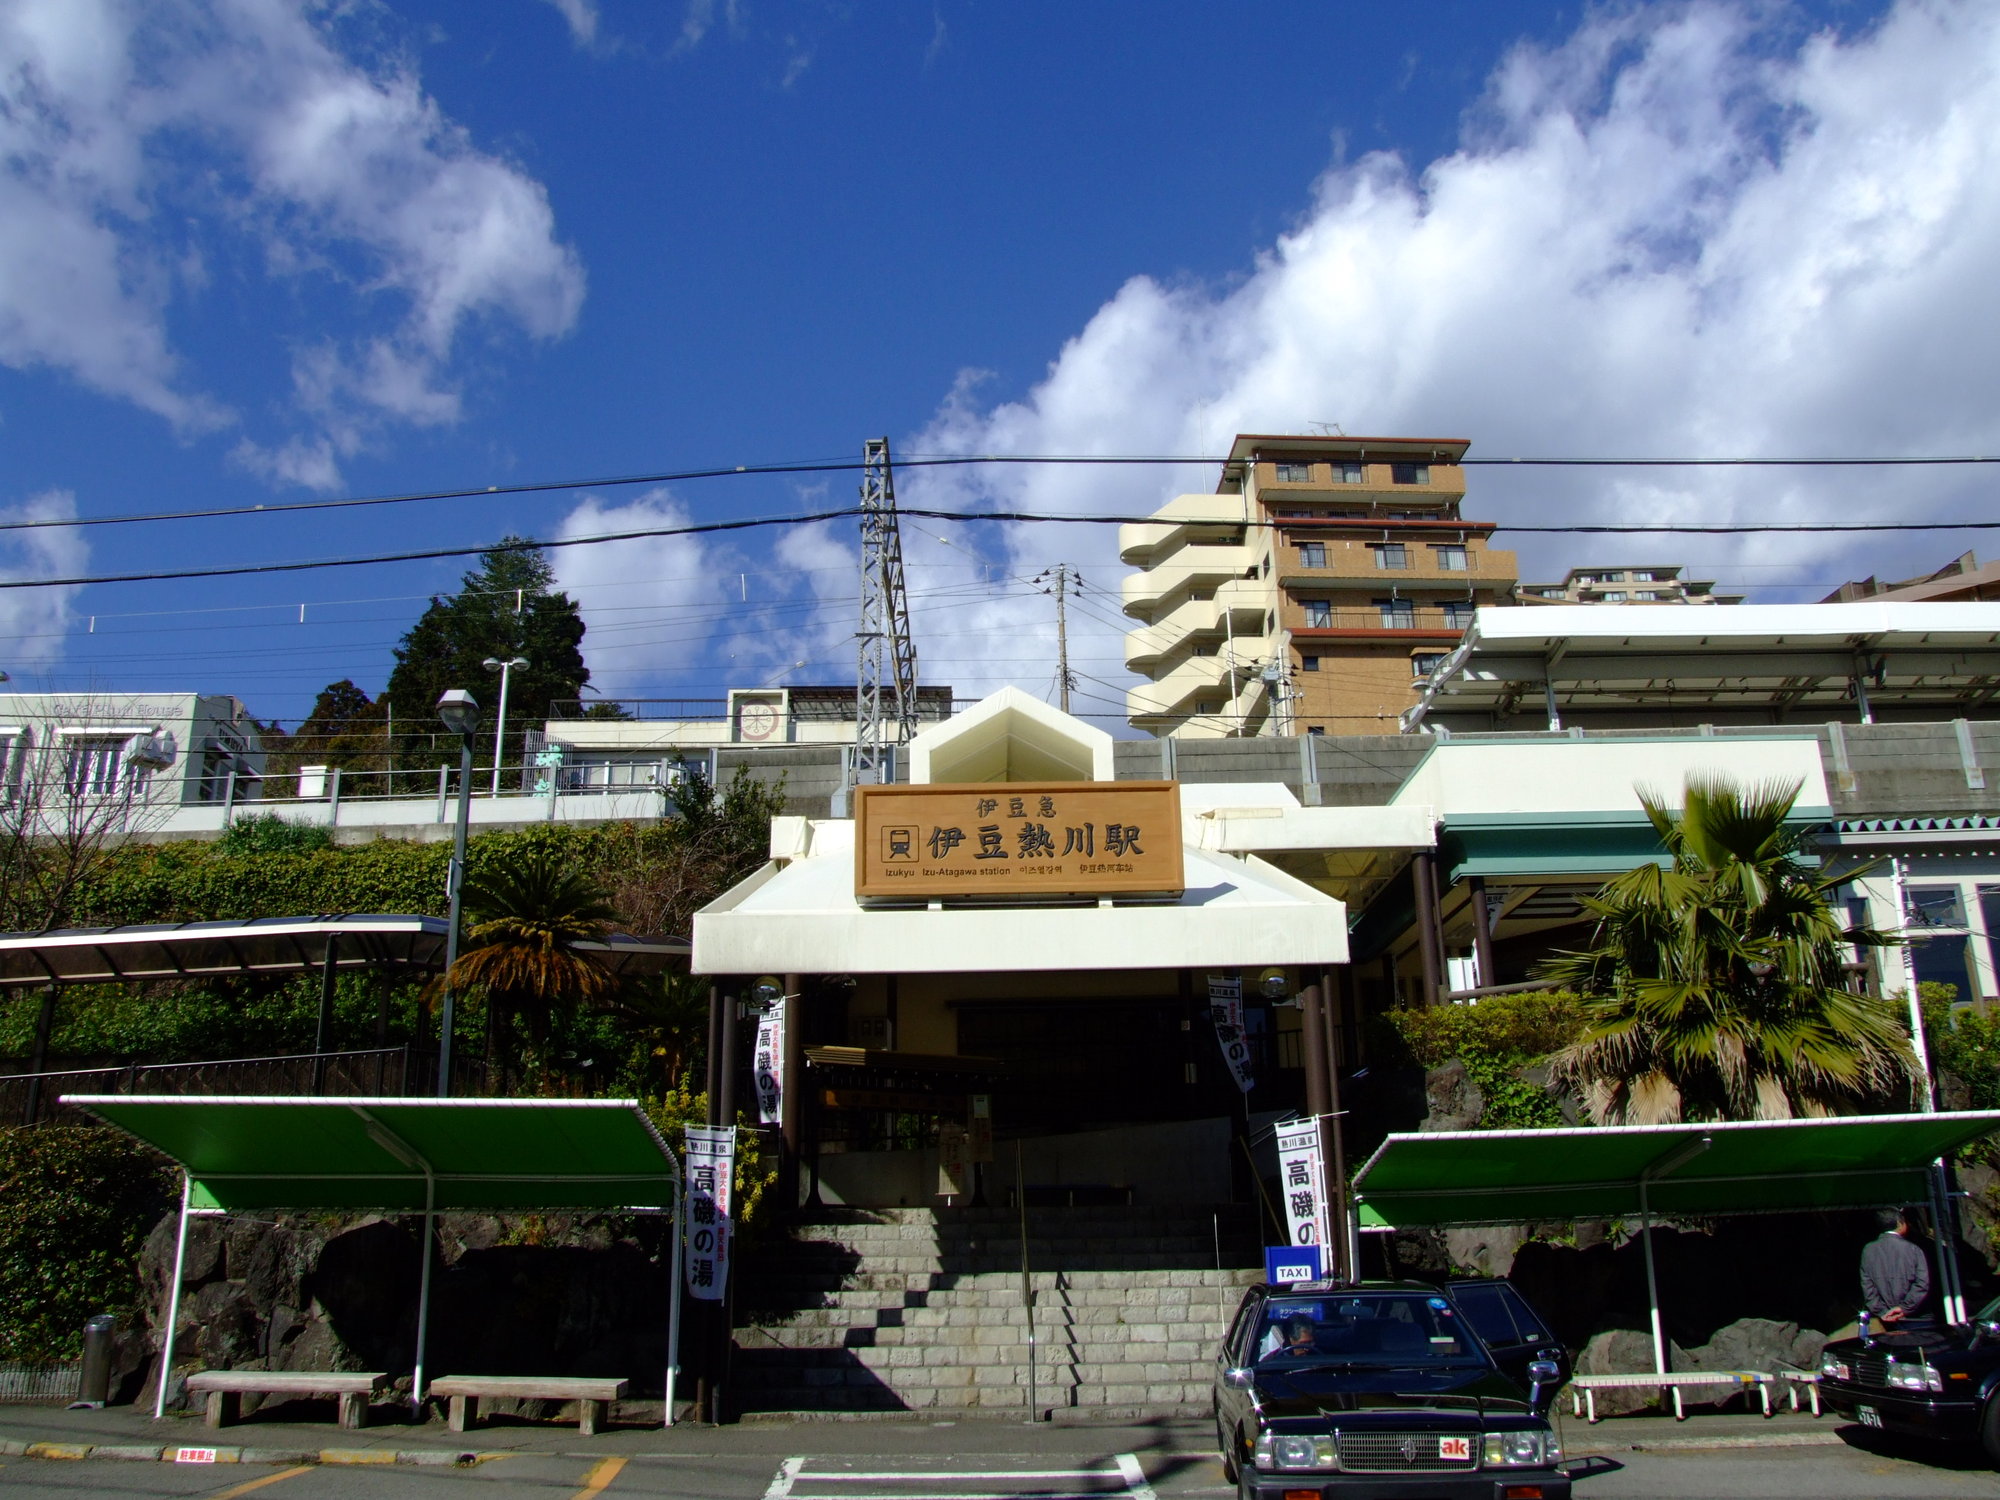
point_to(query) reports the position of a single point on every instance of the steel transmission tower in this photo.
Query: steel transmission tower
(888, 665)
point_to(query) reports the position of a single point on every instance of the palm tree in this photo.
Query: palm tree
(1714, 988)
(525, 919)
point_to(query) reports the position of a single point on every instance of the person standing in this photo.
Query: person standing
(1895, 1274)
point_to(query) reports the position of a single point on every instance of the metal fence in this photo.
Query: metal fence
(55, 1383)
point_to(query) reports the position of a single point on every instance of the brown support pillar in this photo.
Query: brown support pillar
(1333, 1143)
(1428, 946)
(716, 1003)
(1312, 1013)
(791, 1118)
(1482, 929)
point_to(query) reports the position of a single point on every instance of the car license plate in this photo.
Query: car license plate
(1456, 1449)
(1868, 1416)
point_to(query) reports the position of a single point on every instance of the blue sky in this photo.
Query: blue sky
(254, 252)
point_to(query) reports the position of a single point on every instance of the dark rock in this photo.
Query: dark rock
(1487, 1251)
(1455, 1101)
(1619, 1351)
(1755, 1344)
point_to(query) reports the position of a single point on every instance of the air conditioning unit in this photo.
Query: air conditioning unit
(155, 750)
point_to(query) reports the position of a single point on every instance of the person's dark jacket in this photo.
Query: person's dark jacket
(1894, 1273)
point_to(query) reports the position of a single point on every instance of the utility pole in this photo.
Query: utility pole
(1063, 578)
(886, 649)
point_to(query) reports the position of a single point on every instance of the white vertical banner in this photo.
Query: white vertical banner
(1302, 1180)
(1225, 1009)
(711, 1167)
(770, 1062)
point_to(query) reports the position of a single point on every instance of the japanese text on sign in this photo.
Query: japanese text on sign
(1225, 1011)
(1089, 838)
(711, 1165)
(1302, 1182)
(769, 1068)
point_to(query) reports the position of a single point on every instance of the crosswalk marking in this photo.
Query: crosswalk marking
(1124, 1480)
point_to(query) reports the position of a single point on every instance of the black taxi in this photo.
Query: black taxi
(1941, 1383)
(1381, 1391)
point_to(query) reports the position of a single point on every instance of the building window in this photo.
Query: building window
(1308, 663)
(1391, 555)
(1645, 576)
(1312, 554)
(1458, 613)
(1319, 614)
(1295, 473)
(93, 767)
(1347, 473)
(1397, 614)
(1614, 596)
(1646, 594)
(1296, 515)
(1451, 559)
(1410, 473)
(1934, 906)
(1609, 578)
(1315, 729)
(1425, 662)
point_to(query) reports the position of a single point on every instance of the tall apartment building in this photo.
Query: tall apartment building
(1311, 593)
(1655, 583)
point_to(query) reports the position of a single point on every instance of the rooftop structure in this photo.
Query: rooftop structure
(1655, 583)
(1310, 592)
(1757, 664)
(1958, 581)
(138, 750)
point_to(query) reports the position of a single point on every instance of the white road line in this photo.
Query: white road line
(1135, 1477)
(781, 1482)
(894, 1474)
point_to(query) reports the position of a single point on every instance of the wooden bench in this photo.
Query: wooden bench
(225, 1390)
(590, 1396)
(1583, 1389)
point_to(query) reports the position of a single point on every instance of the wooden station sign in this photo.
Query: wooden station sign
(1056, 838)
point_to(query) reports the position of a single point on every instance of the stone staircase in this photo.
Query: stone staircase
(913, 1309)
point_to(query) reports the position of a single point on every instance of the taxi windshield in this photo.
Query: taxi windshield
(1361, 1328)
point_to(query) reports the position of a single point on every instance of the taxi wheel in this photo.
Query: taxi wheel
(1989, 1431)
(1231, 1469)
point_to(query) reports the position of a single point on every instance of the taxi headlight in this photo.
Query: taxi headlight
(1283, 1451)
(1915, 1378)
(1505, 1450)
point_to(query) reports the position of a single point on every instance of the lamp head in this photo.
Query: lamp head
(494, 664)
(1274, 984)
(458, 710)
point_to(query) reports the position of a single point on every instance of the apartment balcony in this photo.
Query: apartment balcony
(1141, 541)
(1176, 701)
(1192, 569)
(1488, 572)
(1425, 621)
(1237, 611)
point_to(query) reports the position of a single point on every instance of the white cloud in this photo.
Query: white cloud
(1688, 229)
(122, 123)
(582, 18)
(33, 622)
(651, 605)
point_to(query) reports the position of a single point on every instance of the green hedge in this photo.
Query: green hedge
(76, 1205)
(1497, 1040)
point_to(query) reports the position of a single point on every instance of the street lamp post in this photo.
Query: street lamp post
(505, 669)
(461, 716)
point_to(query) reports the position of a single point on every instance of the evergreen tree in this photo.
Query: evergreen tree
(346, 728)
(508, 606)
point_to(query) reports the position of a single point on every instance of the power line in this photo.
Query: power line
(953, 460)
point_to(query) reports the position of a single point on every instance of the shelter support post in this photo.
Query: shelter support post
(676, 1234)
(1652, 1281)
(38, 1061)
(1428, 946)
(1333, 1151)
(793, 1067)
(725, 1306)
(424, 1293)
(1951, 1286)
(173, 1301)
(1482, 929)
(1312, 1021)
(323, 1031)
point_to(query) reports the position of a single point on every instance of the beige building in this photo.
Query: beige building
(1311, 593)
(1654, 583)
(1961, 580)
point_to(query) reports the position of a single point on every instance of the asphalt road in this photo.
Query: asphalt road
(1821, 1471)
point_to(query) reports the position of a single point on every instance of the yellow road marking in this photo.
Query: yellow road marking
(599, 1478)
(258, 1484)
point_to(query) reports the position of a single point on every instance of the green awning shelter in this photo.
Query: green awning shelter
(404, 1155)
(1687, 1170)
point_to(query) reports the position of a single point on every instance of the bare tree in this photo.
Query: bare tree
(78, 778)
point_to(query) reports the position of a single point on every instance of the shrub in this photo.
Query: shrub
(1497, 1039)
(267, 833)
(76, 1205)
